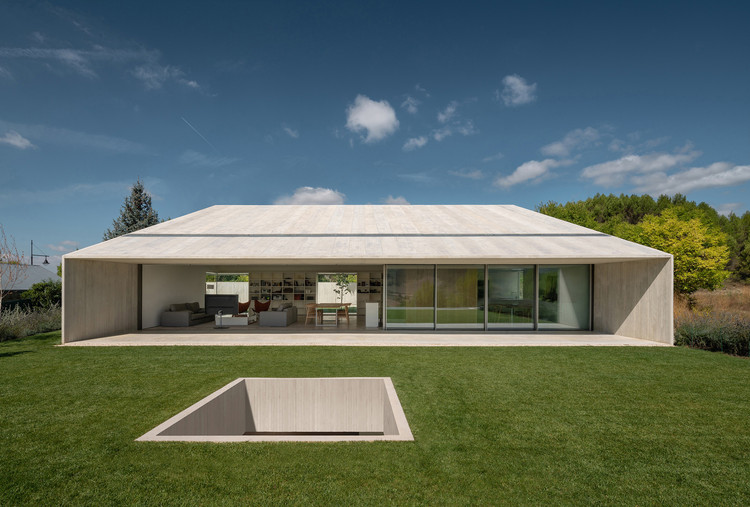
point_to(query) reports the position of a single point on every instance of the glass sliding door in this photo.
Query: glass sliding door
(510, 297)
(564, 297)
(410, 297)
(460, 297)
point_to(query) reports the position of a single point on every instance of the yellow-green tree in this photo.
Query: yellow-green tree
(700, 251)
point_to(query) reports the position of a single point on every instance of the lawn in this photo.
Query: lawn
(633, 426)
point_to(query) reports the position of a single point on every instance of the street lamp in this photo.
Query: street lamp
(37, 255)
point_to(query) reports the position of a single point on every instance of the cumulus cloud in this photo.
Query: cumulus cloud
(533, 170)
(729, 207)
(718, 174)
(465, 128)
(614, 172)
(448, 113)
(575, 139)
(294, 134)
(64, 246)
(414, 143)
(13, 138)
(395, 200)
(516, 91)
(471, 174)
(310, 195)
(410, 104)
(378, 119)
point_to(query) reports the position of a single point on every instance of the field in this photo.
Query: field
(618, 426)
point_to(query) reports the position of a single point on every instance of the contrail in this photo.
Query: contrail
(196, 131)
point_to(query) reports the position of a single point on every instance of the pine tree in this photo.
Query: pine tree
(136, 213)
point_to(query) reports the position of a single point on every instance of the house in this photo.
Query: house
(487, 268)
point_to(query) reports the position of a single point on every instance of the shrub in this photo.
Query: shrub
(724, 332)
(45, 294)
(19, 323)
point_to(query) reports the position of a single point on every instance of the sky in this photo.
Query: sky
(363, 103)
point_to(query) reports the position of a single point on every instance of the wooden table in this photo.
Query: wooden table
(319, 307)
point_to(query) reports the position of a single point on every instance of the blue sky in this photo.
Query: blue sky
(363, 102)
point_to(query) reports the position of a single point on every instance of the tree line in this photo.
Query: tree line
(707, 247)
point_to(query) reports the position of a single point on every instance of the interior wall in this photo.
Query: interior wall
(634, 299)
(99, 299)
(164, 285)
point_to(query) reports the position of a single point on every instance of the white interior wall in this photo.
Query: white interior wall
(164, 285)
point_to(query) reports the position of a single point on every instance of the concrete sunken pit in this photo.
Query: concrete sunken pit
(291, 409)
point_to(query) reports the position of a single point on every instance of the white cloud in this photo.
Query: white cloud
(13, 138)
(448, 113)
(575, 139)
(5, 73)
(532, 170)
(420, 88)
(395, 200)
(614, 172)
(294, 134)
(516, 91)
(64, 246)
(718, 174)
(729, 207)
(465, 128)
(472, 174)
(194, 158)
(377, 118)
(83, 61)
(414, 143)
(70, 138)
(492, 158)
(410, 104)
(310, 195)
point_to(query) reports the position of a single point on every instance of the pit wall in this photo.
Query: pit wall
(634, 299)
(164, 285)
(99, 299)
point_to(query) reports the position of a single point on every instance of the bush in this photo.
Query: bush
(19, 323)
(45, 294)
(723, 332)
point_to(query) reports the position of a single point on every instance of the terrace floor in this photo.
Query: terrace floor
(355, 334)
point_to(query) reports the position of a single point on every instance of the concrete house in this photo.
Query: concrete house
(481, 268)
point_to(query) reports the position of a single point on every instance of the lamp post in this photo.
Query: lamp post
(37, 255)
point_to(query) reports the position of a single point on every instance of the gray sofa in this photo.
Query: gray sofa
(278, 318)
(184, 315)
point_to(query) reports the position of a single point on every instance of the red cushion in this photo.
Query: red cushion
(262, 307)
(243, 307)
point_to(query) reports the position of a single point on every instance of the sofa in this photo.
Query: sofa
(184, 315)
(280, 317)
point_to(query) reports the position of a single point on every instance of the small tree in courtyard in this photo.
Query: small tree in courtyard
(135, 214)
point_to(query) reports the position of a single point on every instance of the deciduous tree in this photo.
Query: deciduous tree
(12, 267)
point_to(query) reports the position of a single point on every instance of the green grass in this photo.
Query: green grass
(633, 426)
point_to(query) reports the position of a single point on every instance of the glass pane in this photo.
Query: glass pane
(564, 297)
(460, 297)
(410, 296)
(510, 297)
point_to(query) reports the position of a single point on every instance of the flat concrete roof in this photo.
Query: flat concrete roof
(365, 234)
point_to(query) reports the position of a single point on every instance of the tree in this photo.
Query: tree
(12, 268)
(699, 250)
(136, 213)
(344, 284)
(44, 294)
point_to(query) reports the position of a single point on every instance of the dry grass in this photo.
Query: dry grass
(715, 320)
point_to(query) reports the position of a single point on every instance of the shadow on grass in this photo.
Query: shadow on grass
(16, 353)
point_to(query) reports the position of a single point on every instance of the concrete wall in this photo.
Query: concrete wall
(164, 285)
(635, 299)
(99, 299)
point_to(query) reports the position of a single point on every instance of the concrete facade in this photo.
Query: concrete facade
(123, 284)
